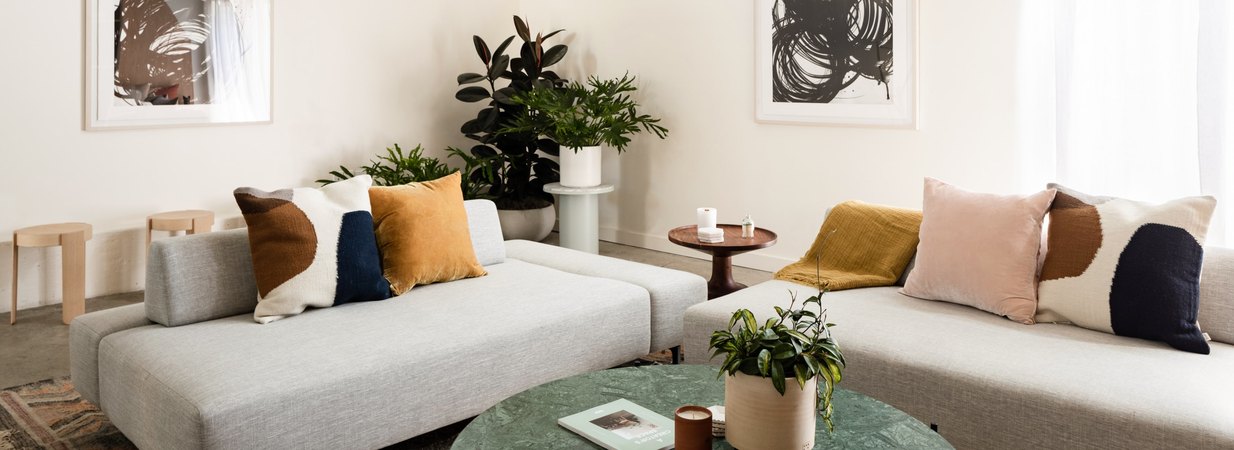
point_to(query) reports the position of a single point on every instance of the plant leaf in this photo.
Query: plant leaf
(777, 376)
(468, 78)
(522, 29)
(472, 94)
(764, 358)
(481, 49)
(501, 49)
(553, 55)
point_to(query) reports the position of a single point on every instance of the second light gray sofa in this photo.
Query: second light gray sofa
(991, 383)
(191, 369)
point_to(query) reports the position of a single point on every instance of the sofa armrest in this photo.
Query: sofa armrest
(85, 334)
(672, 291)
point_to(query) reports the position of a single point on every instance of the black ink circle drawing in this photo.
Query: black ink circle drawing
(831, 51)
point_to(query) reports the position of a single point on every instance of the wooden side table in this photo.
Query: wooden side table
(722, 253)
(71, 238)
(191, 221)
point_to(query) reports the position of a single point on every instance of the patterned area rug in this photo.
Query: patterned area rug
(50, 414)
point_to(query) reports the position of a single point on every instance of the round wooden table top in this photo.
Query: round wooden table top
(49, 235)
(687, 236)
(179, 220)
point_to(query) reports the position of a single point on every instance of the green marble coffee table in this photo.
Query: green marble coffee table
(529, 420)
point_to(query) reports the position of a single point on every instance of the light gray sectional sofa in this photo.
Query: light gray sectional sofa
(990, 383)
(191, 369)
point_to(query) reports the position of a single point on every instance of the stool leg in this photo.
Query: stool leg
(149, 234)
(13, 311)
(200, 226)
(73, 248)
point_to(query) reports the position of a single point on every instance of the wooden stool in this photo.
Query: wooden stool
(71, 238)
(192, 221)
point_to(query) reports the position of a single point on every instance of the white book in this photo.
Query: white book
(622, 425)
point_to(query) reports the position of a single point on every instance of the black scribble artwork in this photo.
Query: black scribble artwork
(821, 47)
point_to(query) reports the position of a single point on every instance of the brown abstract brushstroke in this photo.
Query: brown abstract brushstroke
(1075, 236)
(283, 239)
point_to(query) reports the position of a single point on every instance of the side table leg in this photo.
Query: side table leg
(580, 222)
(13, 311)
(73, 256)
(722, 282)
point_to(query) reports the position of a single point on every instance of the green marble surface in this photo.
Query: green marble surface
(529, 420)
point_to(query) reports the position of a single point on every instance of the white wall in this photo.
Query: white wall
(695, 62)
(349, 79)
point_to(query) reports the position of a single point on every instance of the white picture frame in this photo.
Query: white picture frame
(898, 110)
(251, 103)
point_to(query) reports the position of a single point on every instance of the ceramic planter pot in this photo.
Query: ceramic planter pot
(580, 166)
(529, 224)
(758, 417)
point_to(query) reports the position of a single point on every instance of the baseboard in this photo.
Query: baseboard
(754, 260)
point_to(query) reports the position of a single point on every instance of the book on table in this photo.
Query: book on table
(622, 425)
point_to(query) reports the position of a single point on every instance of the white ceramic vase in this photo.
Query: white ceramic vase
(757, 417)
(580, 166)
(529, 224)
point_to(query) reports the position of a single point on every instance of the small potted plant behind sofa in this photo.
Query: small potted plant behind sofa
(516, 169)
(779, 374)
(398, 167)
(582, 118)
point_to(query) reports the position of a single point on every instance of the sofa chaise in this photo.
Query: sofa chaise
(990, 383)
(189, 368)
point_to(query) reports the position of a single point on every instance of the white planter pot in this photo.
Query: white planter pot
(580, 166)
(529, 224)
(757, 417)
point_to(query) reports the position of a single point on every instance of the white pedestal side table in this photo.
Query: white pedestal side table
(580, 215)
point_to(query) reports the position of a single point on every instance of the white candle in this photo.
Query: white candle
(693, 415)
(706, 218)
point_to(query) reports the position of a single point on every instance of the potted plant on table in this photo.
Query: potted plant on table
(780, 374)
(516, 168)
(582, 118)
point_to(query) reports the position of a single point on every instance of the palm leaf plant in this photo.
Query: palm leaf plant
(398, 167)
(519, 168)
(600, 112)
(796, 344)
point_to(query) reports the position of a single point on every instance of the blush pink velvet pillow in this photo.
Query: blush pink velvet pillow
(979, 250)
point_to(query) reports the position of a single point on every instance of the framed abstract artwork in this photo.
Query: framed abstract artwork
(836, 62)
(177, 62)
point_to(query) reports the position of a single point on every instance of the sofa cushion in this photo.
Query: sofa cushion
(312, 247)
(422, 232)
(1061, 387)
(86, 332)
(672, 291)
(387, 370)
(979, 250)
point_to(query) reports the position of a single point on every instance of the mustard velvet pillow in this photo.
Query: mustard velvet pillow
(422, 233)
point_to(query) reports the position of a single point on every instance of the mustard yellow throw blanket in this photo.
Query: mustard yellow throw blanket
(871, 245)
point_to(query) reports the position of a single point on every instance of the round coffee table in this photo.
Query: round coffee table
(529, 419)
(722, 282)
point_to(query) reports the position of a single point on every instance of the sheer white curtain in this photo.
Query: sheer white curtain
(1131, 98)
(238, 47)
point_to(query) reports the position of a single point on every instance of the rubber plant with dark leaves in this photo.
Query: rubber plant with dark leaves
(794, 345)
(519, 166)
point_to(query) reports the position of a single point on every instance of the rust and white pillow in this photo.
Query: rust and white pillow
(1125, 267)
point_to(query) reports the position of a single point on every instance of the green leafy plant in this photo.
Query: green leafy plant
(577, 115)
(518, 168)
(397, 167)
(796, 344)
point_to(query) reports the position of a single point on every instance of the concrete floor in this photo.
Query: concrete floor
(37, 347)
